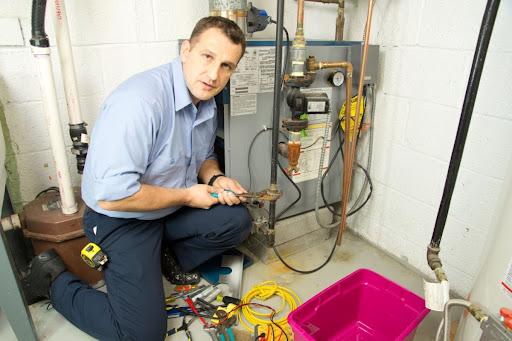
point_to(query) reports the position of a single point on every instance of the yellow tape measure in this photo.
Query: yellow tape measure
(93, 256)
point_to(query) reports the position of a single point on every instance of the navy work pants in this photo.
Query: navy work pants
(134, 307)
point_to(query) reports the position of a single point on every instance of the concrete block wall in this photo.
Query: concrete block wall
(426, 53)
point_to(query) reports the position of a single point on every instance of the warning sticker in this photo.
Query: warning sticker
(507, 282)
(254, 74)
(311, 144)
(311, 151)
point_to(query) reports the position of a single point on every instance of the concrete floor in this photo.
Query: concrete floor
(353, 254)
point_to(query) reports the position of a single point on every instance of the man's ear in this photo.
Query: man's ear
(185, 49)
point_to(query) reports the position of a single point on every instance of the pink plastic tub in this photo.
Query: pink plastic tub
(362, 306)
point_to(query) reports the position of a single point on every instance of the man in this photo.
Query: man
(148, 178)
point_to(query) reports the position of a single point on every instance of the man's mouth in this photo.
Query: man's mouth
(207, 85)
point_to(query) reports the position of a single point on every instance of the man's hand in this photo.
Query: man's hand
(199, 196)
(223, 183)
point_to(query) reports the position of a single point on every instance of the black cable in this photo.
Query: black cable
(249, 156)
(49, 189)
(259, 336)
(295, 185)
(307, 271)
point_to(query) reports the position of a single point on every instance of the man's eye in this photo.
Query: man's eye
(207, 56)
(227, 67)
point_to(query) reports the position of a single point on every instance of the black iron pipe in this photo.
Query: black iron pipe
(39, 37)
(276, 107)
(465, 118)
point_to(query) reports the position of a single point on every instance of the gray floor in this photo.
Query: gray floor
(353, 254)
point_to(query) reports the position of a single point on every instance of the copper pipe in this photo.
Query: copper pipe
(313, 65)
(340, 19)
(349, 158)
(300, 18)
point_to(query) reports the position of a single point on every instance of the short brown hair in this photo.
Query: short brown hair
(227, 26)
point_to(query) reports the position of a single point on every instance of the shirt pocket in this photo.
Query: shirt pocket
(167, 171)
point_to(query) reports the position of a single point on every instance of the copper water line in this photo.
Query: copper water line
(313, 65)
(300, 18)
(349, 158)
(340, 18)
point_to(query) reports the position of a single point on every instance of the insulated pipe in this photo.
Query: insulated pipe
(41, 52)
(77, 128)
(277, 109)
(465, 117)
(349, 157)
(482, 45)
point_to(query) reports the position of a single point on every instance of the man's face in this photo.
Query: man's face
(208, 63)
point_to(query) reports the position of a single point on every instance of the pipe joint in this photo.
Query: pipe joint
(477, 313)
(433, 257)
(39, 37)
(80, 140)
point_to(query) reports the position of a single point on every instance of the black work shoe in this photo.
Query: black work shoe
(43, 269)
(172, 271)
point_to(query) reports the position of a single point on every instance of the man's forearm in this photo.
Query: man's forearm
(208, 169)
(148, 198)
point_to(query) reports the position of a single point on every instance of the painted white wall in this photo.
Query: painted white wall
(426, 53)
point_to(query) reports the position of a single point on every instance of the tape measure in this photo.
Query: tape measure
(93, 256)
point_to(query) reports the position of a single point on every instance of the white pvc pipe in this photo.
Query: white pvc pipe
(60, 23)
(51, 110)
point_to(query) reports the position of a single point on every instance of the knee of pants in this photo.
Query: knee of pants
(148, 332)
(238, 228)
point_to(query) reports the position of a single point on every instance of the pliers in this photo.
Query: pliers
(224, 325)
(261, 195)
(184, 326)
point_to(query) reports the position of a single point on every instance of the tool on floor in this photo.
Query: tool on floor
(184, 327)
(93, 256)
(209, 294)
(187, 287)
(228, 299)
(225, 323)
(212, 331)
(266, 194)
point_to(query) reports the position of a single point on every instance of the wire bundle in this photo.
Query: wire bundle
(263, 292)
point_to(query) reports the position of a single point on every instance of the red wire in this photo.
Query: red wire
(192, 306)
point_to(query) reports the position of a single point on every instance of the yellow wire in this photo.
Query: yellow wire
(262, 292)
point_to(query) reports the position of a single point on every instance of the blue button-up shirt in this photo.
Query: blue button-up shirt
(148, 131)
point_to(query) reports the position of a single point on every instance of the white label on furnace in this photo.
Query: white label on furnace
(253, 75)
(506, 285)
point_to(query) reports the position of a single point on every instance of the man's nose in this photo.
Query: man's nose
(213, 72)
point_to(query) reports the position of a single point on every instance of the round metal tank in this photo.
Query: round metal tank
(493, 288)
(235, 10)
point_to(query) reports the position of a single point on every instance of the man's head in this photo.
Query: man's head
(210, 56)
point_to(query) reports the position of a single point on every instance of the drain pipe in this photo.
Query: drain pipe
(277, 113)
(462, 132)
(77, 129)
(41, 51)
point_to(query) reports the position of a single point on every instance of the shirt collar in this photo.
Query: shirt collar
(182, 98)
(181, 94)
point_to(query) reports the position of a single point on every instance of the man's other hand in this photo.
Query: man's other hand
(199, 196)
